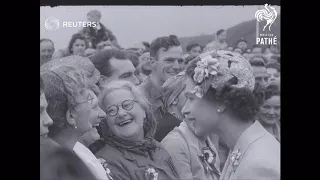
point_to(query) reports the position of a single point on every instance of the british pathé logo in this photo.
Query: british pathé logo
(269, 15)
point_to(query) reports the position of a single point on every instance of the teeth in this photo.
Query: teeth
(125, 122)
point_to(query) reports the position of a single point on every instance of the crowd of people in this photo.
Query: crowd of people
(153, 111)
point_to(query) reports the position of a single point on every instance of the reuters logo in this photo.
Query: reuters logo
(52, 23)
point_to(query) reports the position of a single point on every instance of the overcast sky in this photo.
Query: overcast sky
(145, 23)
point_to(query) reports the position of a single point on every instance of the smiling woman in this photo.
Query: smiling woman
(127, 135)
(269, 114)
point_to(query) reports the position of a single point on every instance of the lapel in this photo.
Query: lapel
(251, 134)
(193, 142)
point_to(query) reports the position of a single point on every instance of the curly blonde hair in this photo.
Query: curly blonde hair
(149, 125)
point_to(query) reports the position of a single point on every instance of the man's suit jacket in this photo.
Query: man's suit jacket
(259, 158)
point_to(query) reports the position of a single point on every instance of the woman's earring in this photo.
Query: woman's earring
(219, 111)
(75, 127)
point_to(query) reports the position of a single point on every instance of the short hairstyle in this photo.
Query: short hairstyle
(172, 88)
(241, 40)
(274, 65)
(73, 40)
(133, 57)
(94, 12)
(192, 45)
(146, 44)
(101, 60)
(163, 42)
(240, 101)
(64, 85)
(41, 86)
(48, 40)
(273, 89)
(149, 126)
(254, 62)
(220, 31)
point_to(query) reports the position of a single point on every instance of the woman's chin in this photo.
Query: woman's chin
(269, 122)
(95, 135)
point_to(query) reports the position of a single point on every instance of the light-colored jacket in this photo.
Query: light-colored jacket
(258, 157)
(91, 161)
(183, 146)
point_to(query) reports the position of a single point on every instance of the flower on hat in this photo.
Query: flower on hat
(197, 91)
(206, 66)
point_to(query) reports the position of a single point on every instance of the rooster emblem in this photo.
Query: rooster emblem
(267, 14)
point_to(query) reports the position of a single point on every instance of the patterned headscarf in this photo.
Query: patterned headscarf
(78, 62)
(172, 88)
(217, 67)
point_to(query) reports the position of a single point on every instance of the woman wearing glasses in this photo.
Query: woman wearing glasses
(129, 150)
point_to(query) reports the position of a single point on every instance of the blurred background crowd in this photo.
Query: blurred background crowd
(91, 82)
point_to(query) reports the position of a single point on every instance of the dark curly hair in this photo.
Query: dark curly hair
(241, 101)
(73, 40)
(163, 42)
(273, 89)
(192, 45)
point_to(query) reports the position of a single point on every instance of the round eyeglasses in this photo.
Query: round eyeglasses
(126, 105)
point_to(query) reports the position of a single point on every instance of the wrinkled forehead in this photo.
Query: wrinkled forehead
(173, 52)
(46, 45)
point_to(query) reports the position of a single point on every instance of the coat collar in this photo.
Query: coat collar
(251, 134)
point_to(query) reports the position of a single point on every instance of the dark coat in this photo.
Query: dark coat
(126, 165)
(97, 36)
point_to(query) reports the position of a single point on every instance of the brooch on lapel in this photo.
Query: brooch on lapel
(234, 157)
(104, 165)
(151, 174)
(208, 159)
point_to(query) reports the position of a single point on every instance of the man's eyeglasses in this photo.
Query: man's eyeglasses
(126, 105)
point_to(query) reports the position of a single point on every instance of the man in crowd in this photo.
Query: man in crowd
(259, 70)
(220, 42)
(144, 66)
(194, 49)
(166, 61)
(114, 64)
(46, 50)
(243, 45)
(98, 34)
(273, 70)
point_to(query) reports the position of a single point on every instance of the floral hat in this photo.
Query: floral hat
(217, 67)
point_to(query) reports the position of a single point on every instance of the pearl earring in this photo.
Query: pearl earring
(75, 127)
(219, 110)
